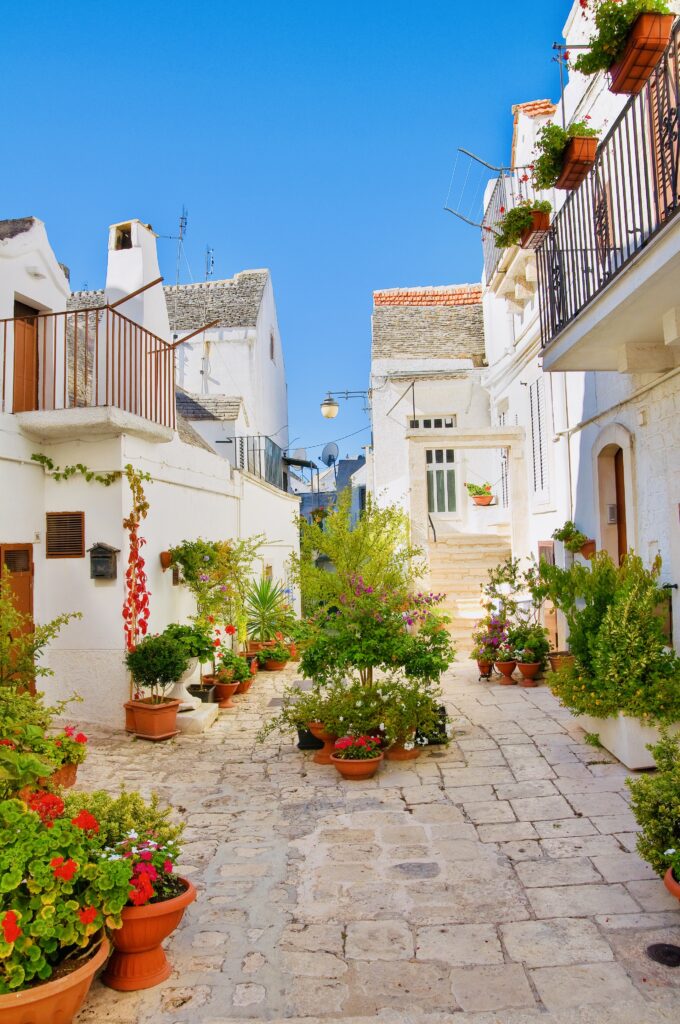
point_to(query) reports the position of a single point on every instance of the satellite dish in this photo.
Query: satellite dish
(301, 454)
(329, 455)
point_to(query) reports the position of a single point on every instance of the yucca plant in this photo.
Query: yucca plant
(265, 609)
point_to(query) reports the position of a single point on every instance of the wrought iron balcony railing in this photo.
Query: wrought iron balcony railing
(260, 456)
(511, 188)
(631, 194)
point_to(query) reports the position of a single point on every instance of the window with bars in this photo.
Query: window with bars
(504, 479)
(448, 422)
(441, 479)
(65, 535)
(539, 442)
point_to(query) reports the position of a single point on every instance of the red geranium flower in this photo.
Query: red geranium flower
(47, 806)
(80, 737)
(8, 743)
(86, 821)
(10, 926)
(69, 730)
(230, 630)
(141, 890)
(167, 867)
(64, 869)
(87, 915)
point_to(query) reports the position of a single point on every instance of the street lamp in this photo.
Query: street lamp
(329, 408)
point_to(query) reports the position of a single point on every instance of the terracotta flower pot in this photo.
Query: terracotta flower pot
(356, 771)
(224, 692)
(646, 44)
(484, 667)
(138, 959)
(532, 237)
(166, 560)
(274, 666)
(398, 752)
(668, 880)
(154, 721)
(529, 672)
(245, 685)
(579, 158)
(129, 709)
(254, 646)
(560, 659)
(317, 730)
(588, 549)
(53, 1002)
(506, 668)
(64, 776)
(482, 499)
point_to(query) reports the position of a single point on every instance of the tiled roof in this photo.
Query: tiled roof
(535, 108)
(207, 407)
(448, 295)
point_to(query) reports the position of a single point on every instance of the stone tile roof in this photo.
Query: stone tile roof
(191, 436)
(436, 323)
(207, 407)
(235, 302)
(16, 226)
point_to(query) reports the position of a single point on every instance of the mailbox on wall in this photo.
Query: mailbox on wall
(103, 562)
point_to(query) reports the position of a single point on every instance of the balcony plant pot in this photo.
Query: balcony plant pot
(58, 1001)
(138, 959)
(579, 159)
(356, 771)
(506, 668)
(588, 549)
(626, 738)
(224, 691)
(670, 883)
(646, 45)
(482, 499)
(322, 756)
(529, 672)
(274, 666)
(206, 694)
(306, 741)
(531, 239)
(166, 560)
(154, 721)
(560, 659)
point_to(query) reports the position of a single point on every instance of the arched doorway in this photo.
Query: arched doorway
(611, 476)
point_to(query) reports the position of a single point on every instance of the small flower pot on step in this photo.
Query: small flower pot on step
(506, 668)
(356, 771)
(319, 732)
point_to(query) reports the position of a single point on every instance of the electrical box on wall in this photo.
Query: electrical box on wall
(103, 562)
(612, 515)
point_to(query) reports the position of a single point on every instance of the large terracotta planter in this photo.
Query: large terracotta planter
(529, 672)
(274, 666)
(224, 692)
(356, 771)
(53, 1002)
(398, 752)
(154, 721)
(579, 158)
(245, 684)
(532, 237)
(482, 499)
(139, 960)
(317, 730)
(506, 668)
(670, 883)
(646, 44)
(560, 659)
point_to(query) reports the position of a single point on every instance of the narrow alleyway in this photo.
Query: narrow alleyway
(495, 880)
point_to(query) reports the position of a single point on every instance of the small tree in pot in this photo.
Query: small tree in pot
(156, 663)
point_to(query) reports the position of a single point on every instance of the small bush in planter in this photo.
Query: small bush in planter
(655, 802)
(408, 708)
(570, 536)
(550, 149)
(613, 22)
(510, 230)
(194, 640)
(530, 643)
(156, 663)
(278, 652)
(236, 665)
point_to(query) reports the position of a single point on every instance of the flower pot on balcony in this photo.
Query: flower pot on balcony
(54, 1001)
(579, 157)
(166, 560)
(482, 499)
(138, 959)
(533, 236)
(646, 44)
(153, 721)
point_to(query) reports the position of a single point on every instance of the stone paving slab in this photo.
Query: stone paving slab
(493, 882)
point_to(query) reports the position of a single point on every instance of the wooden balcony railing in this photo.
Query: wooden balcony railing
(86, 358)
(632, 193)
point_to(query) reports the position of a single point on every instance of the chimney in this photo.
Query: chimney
(133, 262)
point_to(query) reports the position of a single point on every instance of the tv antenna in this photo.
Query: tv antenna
(209, 261)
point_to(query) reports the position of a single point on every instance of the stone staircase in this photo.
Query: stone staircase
(458, 565)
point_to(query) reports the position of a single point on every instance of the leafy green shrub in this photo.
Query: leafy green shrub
(278, 652)
(515, 222)
(407, 709)
(655, 802)
(530, 643)
(570, 536)
(613, 21)
(550, 149)
(195, 640)
(157, 662)
(239, 667)
(125, 813)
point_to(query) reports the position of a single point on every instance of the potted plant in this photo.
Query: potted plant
(70, 746)
(357, 757)
(277, 657)
(524, 225)
(59, 895)
(233, 670)
(564, 155)
(488, 636)
(166, 560)
(480, 493)
(531, 650)
(655, 802)
(265, 608)
(197, 644)
(408, 707)
(629, 41)
(505, 663)
(574, 540)
(560, 659)
(156, 663)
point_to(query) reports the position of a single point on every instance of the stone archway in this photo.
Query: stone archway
(614, 490)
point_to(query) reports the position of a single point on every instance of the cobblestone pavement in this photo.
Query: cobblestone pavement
(493, 882)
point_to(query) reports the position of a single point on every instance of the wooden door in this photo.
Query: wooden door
(25, 397)
(17, 559)
(546, 553)
(621, 529)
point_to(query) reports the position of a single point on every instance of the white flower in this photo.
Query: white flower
(409, 746)
(132, 834)
(669, 853)
(382, 726)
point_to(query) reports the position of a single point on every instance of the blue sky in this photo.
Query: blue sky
(316, 139)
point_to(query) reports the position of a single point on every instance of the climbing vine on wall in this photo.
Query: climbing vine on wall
(77, 470)
(136, 605)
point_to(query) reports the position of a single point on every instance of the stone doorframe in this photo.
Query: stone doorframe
(510, 438)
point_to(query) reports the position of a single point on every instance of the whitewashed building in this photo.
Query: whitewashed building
(90, 379)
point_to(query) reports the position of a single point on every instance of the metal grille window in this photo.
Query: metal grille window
(539, 447)
(505, 480)
(441, 479)
(65, 533)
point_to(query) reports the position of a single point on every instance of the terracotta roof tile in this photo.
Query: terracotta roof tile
(535, 108)
(448, 295)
